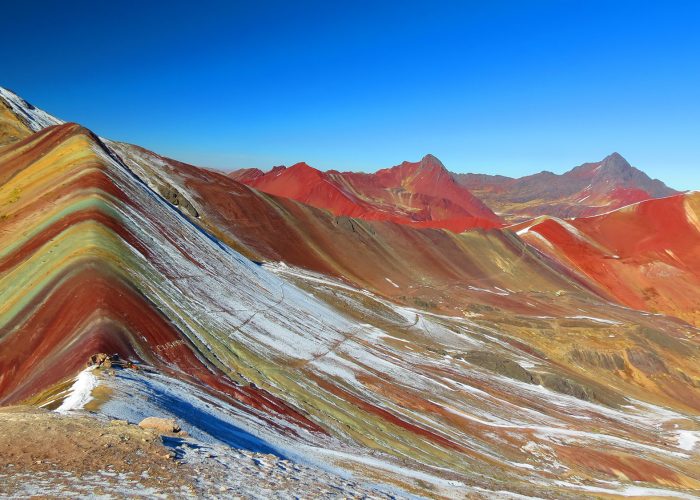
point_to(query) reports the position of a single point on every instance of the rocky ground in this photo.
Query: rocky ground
(47, 455)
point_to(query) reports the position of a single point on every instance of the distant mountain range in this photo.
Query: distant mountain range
(589, 189)
(425, 194)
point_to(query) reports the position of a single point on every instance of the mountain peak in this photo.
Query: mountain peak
(305, 168)
(302, 165)
(245, 174)
(615, 162)
(430, 160)
(614, 155)
(302, 170)
(429, 166)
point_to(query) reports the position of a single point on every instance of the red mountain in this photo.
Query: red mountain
(422, 194)
(589, 189)
(246, 174)
(646, 255)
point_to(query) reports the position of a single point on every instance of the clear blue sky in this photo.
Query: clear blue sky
(490, 86)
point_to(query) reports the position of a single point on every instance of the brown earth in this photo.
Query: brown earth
(44, 454)
(34, 441)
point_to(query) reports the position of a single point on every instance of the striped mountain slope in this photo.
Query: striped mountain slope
(500, 371)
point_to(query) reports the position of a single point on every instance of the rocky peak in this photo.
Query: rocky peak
(615, 163)
(431, 162)
(429, 167)
(277, 169)
(615, 169)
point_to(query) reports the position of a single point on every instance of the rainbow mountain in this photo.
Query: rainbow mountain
(554, 358)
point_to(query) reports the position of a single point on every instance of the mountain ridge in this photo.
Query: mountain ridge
(442, 364)
(588, 189)
(422, 194)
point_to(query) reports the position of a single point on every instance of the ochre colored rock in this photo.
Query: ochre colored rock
(164, 425)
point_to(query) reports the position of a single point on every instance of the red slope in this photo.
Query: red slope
(422, 194)
(306, 184)
(246, 174)
(645, 255)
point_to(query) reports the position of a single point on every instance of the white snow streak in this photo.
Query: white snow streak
(80, 392)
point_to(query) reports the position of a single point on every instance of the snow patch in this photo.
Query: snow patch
(497, 291)
(688, 439)
(597, 320)
(391, 282)
(80, 392)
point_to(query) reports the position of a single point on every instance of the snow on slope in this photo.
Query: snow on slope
(568, 422)
(334, 359)
(337, 376)
(35, 118)
(80, 392)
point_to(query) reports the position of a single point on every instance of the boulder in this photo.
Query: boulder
(101, 360)
(164, 425)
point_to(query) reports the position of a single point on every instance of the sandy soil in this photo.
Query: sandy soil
(48, 455)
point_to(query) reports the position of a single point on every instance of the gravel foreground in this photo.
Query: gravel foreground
(47, 455)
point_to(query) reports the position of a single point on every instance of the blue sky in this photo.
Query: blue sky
(493, 86)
